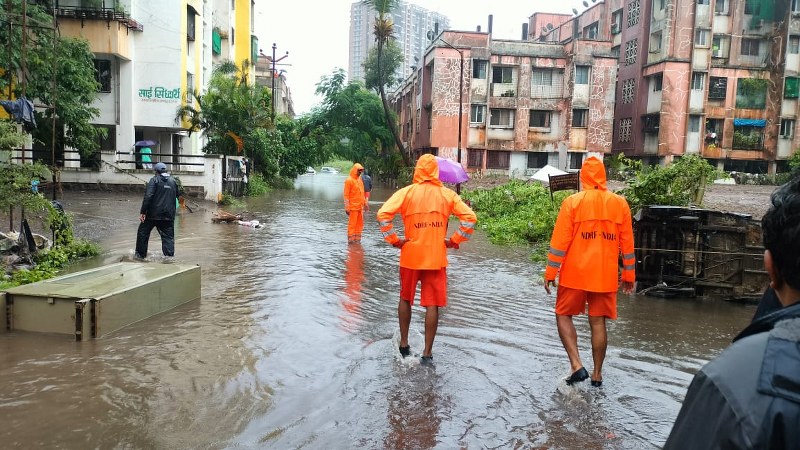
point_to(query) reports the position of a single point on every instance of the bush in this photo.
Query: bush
(679, 184)
(517, 213)
(256, 185)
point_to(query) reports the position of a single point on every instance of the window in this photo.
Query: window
(580, 118)
(717, 88)
(479, 69)
(110, 141)
(502, 75)
(796, 6)
(616, 21)
(539, 119)
(719, 46)
(794, 44)
(501, 118)
(650, 123)
(537, 160)
(625, 126)
(701, 37)
(721, 7)
(581, 74)
(628, 89)
(477, 113)
(790, 87)
(542, 77)
(233, 36)
(575, 160)
(189, 87)
(748, 137)
(590, 31)
(475, 158)
(702, 2)
(662, 4)
(657, 82)
(102, 74)
(497, 160)
(655, 42)
(698, 81)
(750, 47)
(787, 128)
(694, 124)
(615, 51)
(633, 13)
(631, 48)
(190, 28)
(750, 7)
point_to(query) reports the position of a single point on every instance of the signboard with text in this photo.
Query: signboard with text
(564, 182)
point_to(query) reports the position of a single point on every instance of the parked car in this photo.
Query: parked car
(326, 169)
(310, 170)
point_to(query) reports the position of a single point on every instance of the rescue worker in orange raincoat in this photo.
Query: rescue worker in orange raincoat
(425, 207)
(354, 203)
(592, 228)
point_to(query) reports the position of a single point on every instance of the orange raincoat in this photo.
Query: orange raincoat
(425, 206)
(593, 226)
(354, 203)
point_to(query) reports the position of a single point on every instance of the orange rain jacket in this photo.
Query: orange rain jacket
(425, 206)
(354, 190)
(592, 227)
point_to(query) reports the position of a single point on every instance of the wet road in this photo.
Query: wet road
(293, 345)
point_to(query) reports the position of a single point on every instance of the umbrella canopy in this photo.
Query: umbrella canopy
(451, 171)
(145, 143)
(543, 173)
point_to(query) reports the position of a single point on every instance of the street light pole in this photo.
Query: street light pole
(460, 101)
(275, 47)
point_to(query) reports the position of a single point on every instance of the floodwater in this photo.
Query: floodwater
(293, 345)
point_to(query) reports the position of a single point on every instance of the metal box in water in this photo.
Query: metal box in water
(95, 302)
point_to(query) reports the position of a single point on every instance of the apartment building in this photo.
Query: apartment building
(411, 25)
(718, 78)
(275, 80)
(523, 104)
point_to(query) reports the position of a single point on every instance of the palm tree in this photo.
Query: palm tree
(384, 32)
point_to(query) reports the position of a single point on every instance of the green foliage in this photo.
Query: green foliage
(256, 186)
(747, 140)
(15, 186)
(51, 262)
(10, 138)
(794, 163)
(69, 63)
(679, 184)
(392, 58)
(621, 168)
(517, 213)
(751, 93)
(230, 200)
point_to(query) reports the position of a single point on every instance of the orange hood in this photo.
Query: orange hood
(355, 169)
(593, 175)
(427, 170)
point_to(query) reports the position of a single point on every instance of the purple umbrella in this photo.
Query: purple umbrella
(451, 171)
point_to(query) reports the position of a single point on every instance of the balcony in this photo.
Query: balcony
(102, 23)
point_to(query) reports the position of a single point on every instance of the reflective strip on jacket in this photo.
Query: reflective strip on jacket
(425, 207)
(592, 228)
(354, 190)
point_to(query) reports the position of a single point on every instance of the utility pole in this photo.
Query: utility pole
(274, 61)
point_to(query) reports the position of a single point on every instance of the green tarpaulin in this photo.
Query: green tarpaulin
(791, 88)
(216, 42)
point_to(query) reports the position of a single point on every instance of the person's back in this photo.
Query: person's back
(749, 396)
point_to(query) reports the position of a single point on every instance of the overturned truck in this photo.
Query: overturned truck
(688, 252)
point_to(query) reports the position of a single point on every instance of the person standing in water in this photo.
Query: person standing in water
(354, 204)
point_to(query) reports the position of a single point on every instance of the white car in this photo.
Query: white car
(310, 170)
(326, 169)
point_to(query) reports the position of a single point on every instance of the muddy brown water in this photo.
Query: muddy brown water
(292, 345)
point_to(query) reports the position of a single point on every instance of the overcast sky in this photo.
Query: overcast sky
(315, 33)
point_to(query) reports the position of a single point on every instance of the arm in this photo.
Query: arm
(149, 191)
(559, 244)
(346, 194)
(467, 219)
(385, 216)
(628, 253)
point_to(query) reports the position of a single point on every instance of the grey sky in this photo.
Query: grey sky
(316, 33)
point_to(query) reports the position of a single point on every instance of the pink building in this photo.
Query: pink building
(522, 104)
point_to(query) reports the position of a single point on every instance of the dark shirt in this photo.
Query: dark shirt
(159, 198)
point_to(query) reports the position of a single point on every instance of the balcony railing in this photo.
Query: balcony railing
(99, 10)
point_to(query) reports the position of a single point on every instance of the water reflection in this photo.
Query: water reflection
(353, 279)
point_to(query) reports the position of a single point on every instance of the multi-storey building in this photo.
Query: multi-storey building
(523, 104)
(411, 25)
(718, 78)
(274, 78)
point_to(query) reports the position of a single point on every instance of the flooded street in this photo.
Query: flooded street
(293, 345)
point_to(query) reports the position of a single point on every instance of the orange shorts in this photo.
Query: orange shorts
(572, 302)
(434, 286)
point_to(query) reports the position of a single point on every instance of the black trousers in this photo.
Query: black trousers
(166, 228)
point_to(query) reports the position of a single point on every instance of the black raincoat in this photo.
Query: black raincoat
(159, 198)
(749, 396)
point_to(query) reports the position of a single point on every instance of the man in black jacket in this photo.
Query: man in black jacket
(749, 396)
(158, 210)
